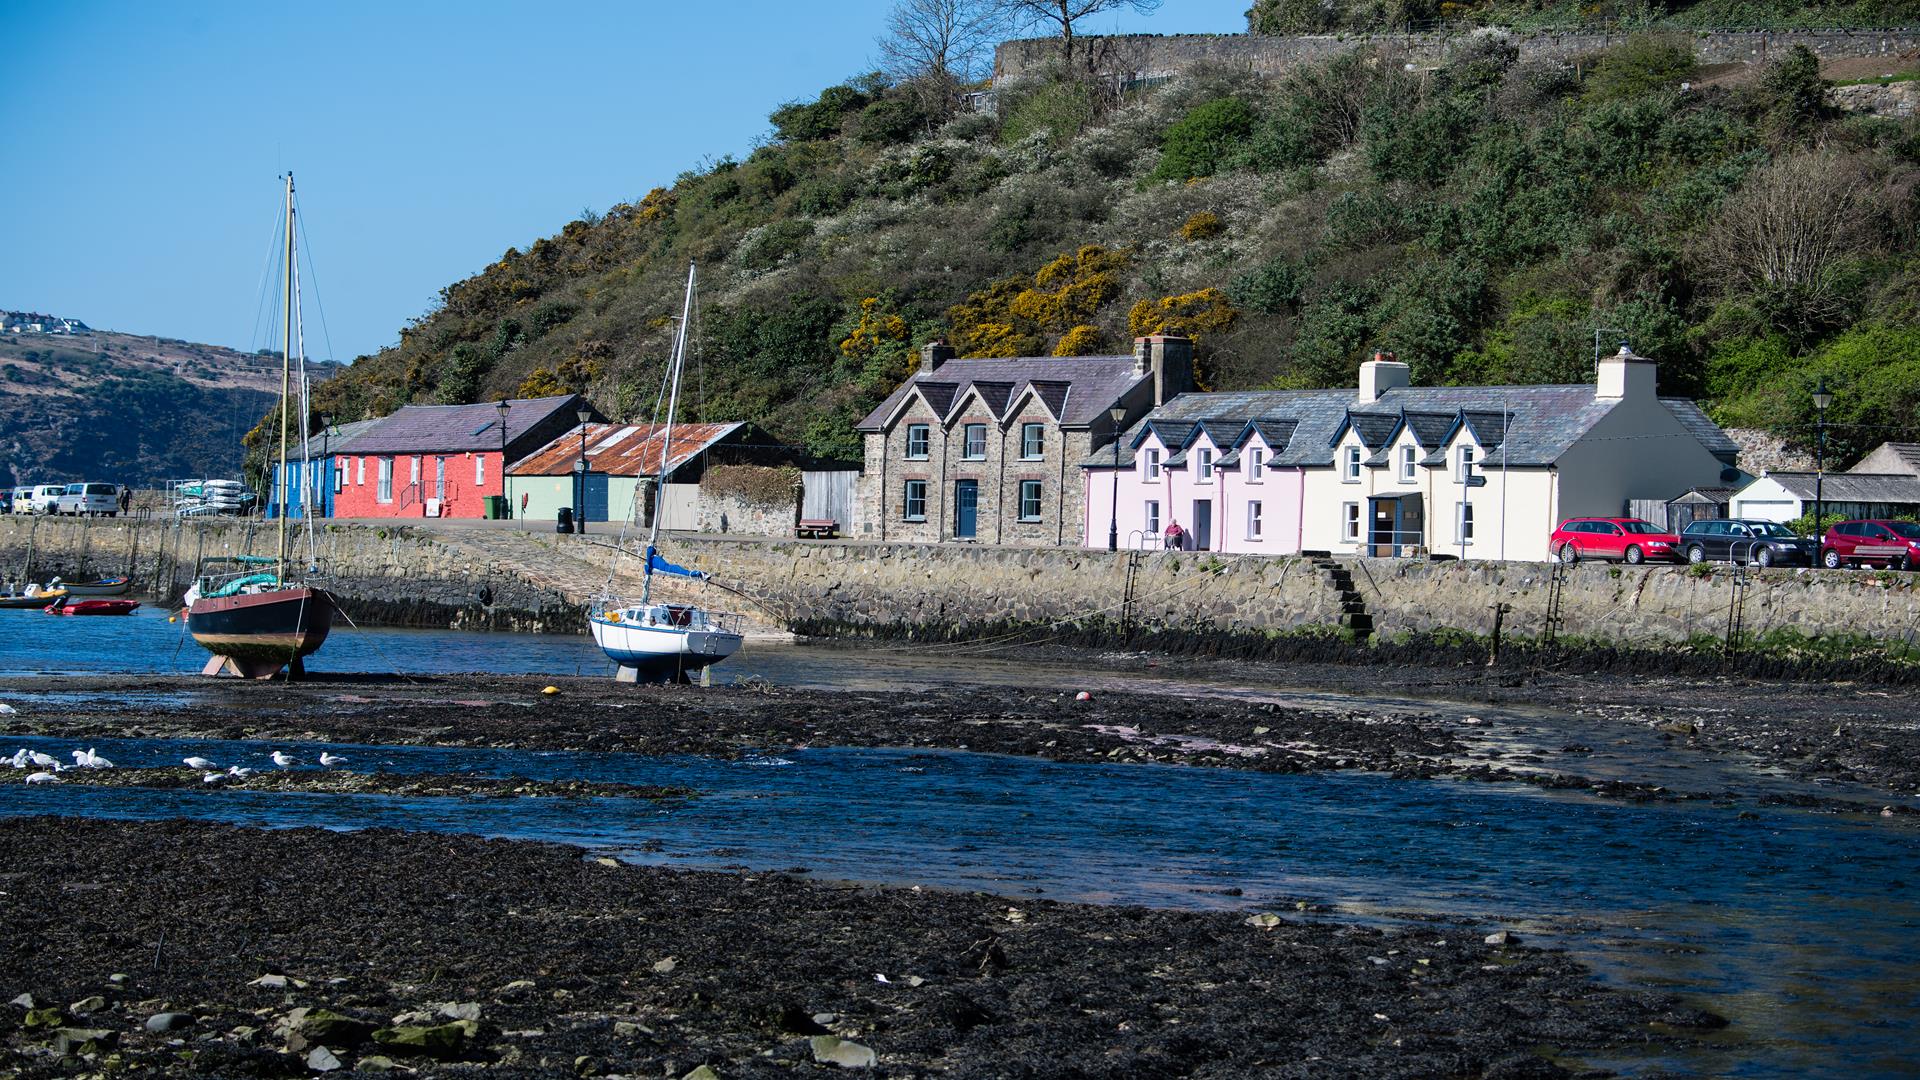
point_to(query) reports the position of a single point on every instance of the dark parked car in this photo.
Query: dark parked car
(1872, 543)
(1742, 540)
(1628, 539)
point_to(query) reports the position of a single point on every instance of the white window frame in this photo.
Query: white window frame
(1150, 510)
(361, 473)
(907, 501)
(926, 441)
(1350, 465)
(1153, 465)
(1350, 522)
(339, 477)
(966, 442)
(440, 478)
(1409, 464)
(1463, 461)
(383, 490)
(1254, 520)
(1463, 522)
(1033, 442)
(1206, 465)
(413, 465)
(1256, 464)
(479, 470)
(1039, 500)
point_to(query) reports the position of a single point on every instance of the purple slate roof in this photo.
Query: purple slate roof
(1079, 389)
(453, 428)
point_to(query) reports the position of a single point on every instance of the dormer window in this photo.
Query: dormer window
(1409, 458)
(1206, 465)
(1256, 462)
(1350, 465)
(1153, 465)
(916, 442)
(1463, 464)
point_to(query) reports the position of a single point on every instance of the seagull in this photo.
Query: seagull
(196, 763)
(330, 760)
(213, 777)
(19, 758)
(38, 758)
(41, 778)
(94, 760)
(283, 759)
(238, 773)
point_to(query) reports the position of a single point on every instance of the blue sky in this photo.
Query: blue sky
(137, 179)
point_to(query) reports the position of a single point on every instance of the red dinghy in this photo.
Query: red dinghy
(91, 607)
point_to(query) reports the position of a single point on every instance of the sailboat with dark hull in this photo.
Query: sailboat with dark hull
(244, 609)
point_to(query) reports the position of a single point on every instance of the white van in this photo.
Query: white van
(90, 499)
(46, 499)
(23, 500)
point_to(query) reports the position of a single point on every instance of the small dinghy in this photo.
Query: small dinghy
(64, 606)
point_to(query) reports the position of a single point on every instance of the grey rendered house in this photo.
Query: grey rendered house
(988, 450)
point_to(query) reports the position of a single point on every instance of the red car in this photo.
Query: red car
(1875, 543)
(1627, 539)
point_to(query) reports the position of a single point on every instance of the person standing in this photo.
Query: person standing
(126, 498)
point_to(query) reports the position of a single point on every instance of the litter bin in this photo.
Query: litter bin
(563, 521)
(495, 507)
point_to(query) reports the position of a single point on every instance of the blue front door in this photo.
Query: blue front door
(596, 496)
(966, 508)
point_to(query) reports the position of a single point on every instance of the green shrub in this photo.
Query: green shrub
(1643, 65)
(1204, 140)
(818, 119)
(1059, 108)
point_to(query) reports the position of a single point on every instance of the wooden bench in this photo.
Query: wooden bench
(817, 528)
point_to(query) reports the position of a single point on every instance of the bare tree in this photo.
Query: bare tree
(1786, 237)
(1065, 15)
(947, 40)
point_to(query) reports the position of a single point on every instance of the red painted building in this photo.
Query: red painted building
(444, 460)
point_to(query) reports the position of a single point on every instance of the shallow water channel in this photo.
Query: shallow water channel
(1800, 926)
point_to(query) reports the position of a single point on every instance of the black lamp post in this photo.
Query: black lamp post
(584, 415)
(1119, 416)
(1822, 397)
(506, 494)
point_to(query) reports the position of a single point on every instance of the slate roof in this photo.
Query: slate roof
(332, 439)
(1908, 453)
(1535, 424)
(1852, 487)
(623, 449)
(1079, 389)
(432, 429)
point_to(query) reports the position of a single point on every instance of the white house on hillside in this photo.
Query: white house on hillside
(1386, 469)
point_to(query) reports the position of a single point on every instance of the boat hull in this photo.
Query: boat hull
(93, 607)
(39, 600)
(662, 653)
(263, 632)
(113, 586)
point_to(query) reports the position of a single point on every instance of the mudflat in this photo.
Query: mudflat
(273, 953)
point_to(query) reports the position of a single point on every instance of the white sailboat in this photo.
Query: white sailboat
(656, 642)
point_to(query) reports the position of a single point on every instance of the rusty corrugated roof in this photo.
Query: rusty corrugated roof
(622, 449)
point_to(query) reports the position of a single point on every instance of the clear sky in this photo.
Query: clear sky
(143, 140)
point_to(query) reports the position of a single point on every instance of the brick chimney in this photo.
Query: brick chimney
(933, 354)
(1625, 375)
(1382, 373)
(1169, 358)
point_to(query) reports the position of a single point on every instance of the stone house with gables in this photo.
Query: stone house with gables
(988, 450)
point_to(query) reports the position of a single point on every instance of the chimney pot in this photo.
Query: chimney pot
(933, 354)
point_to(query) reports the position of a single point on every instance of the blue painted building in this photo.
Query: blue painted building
(300, 488)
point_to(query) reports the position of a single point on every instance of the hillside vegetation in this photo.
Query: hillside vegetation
(1324, 16)
(1481, 220)
(127, 409)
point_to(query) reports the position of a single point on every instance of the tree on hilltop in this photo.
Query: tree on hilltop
(1066, 14)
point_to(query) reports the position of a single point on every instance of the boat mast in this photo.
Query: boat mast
(286, 377)
(666, 445)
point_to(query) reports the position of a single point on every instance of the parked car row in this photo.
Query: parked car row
(1894, 544)
(83, 499)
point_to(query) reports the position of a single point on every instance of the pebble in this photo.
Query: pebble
(87, 1005)
(169, 1021)
(833, 1050)
(25, 1001)
(321, 1059)
(1503, 937)
(702, 1073)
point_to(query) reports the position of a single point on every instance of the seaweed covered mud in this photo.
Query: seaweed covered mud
(208, 950)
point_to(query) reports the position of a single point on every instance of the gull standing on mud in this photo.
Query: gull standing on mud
(283, 759)
(330, 760)
(47, 760)
(238, 773)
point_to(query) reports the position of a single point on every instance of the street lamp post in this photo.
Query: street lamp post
(1822, 397)
(1119, 416)
(584, 414)
(506, 493)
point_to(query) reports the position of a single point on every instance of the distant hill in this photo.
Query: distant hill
(127, 409)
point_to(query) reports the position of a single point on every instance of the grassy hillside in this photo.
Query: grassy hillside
(127, 409)
(1480, 220)
(1322, 16)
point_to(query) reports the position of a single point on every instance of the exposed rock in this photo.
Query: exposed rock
(662, 967)
(169, 1021)
(321, 1059)
(24, 1001)
(270, 982)
(70, 1040)
(87, 1006)
(438, 1041)
(833, 1050)
(702, 1073)
(461, 1010)
(328, 1028)
(1503, 937)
